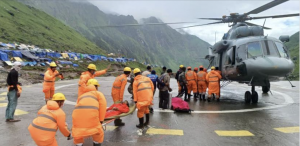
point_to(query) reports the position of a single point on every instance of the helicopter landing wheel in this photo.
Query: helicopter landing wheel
(254, 97)
(247, 97)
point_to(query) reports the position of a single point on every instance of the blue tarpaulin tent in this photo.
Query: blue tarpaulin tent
(17, 54)
(110, 59)
(41, 54)
(103, 58)
(75, 65)
(72, 55)
(54, 55)
(3, 56)
(6, 51)
(3, 44)
(65, 62)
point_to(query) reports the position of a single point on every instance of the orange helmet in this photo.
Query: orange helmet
(201, 66)
(189, 68)
(195, 69)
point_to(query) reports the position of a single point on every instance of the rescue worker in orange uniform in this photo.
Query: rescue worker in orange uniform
(49, 81)
(191, 78)
(196, 70)
(50, 117)
(217, 70)
(118, 88)
(213, 79)
(202, 84)
(117, 91)
(89, 74)
(143, 96)
(89, 114)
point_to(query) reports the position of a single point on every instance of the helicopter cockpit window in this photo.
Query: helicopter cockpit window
(241, 53)
(254, 49)
(282, 50)
(270, 49)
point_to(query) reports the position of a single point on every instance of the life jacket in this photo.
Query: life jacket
(89, 111)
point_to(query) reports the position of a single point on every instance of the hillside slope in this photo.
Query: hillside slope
(26, 24)
(160, 45)
(293, 46)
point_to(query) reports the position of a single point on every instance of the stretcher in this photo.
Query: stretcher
(111, 119)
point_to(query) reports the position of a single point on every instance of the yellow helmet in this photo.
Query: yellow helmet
(212, 68)
(92, 66)
(181, 66)
(52, 64)
(93, 82)
(58, 96)
(127, 69)
(136, 70)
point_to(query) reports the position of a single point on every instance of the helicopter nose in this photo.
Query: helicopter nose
(270, 66)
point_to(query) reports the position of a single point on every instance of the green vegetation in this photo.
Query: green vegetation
(26, 24)
(159, 45)
(293, 46)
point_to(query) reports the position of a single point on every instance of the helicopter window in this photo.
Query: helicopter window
(282, 50)
(269, 48)
(241, 53)
(272, 49)
(254, 49)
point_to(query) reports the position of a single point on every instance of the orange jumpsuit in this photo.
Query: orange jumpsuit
(44, 127)
(85, 76)
(202, 84)
(118, 88)
(143, 94)
(191, 78)
(88, 113)
(49, 83)
(213, 79)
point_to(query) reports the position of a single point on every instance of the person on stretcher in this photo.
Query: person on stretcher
(117, 109)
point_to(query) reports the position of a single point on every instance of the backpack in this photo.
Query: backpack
(160, 82)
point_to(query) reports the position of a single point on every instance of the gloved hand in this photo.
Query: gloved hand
(70, 137)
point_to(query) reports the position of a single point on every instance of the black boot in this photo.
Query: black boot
(141, 125)
(98, 144)
(189, 97)
(195, 96)
(118, 122)
(147, 120)
(151, 110)
(185, 97)
(203, 96)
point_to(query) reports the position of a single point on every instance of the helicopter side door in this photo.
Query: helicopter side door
(229, 63)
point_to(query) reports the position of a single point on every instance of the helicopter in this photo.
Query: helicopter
(245, 54)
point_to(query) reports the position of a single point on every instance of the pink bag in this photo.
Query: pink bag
(180, 105)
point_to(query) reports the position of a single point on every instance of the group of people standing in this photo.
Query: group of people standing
(90, 110)
(198, 82)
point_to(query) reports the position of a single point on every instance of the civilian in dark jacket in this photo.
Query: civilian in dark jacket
(13, 92)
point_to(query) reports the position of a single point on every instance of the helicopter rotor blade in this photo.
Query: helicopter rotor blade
(200, 25)
(251, 24)
(123, 25)
(266, 7)
(211, 18)
(275, 16)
